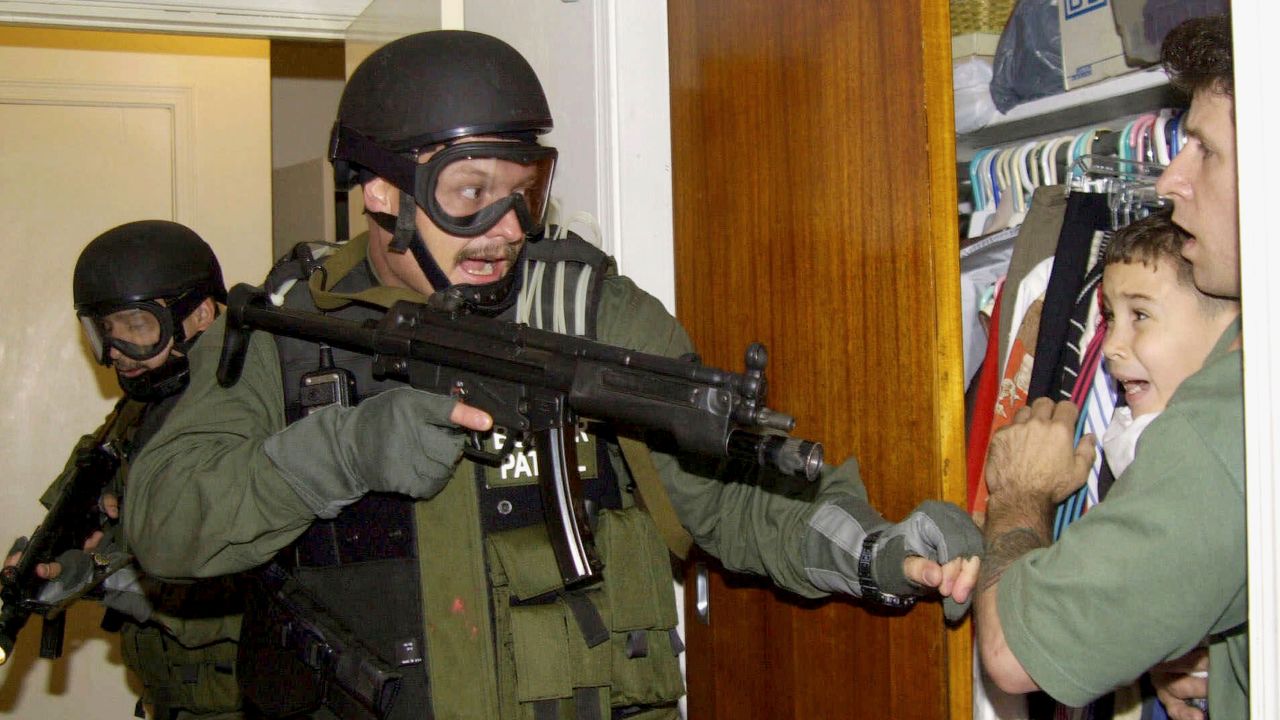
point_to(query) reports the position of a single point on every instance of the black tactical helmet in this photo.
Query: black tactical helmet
(145, 260)
(436, 86)
(426, 90)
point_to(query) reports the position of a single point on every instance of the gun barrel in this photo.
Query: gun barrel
(791, 456)
(12, 619)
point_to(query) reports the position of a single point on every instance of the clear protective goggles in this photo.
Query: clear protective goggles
(468, 188)
(465, 188)
(139, 330)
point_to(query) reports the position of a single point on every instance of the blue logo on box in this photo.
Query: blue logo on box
(1076, 8)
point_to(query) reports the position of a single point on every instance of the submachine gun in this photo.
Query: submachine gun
(536, 384)
(72, 517)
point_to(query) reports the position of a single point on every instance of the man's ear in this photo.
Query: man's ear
(201, 318)
(381, 196)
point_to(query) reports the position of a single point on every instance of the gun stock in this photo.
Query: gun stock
(536, 384)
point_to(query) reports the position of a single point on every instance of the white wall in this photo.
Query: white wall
(302, 112)
(1255, 23)
(558, 39)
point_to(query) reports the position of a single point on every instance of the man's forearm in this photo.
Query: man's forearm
(1013, 528)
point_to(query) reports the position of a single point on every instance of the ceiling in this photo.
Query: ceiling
(314, 19)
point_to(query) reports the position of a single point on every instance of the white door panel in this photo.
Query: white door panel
(99, 129)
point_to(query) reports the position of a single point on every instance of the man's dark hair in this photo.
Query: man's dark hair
(1197, 56)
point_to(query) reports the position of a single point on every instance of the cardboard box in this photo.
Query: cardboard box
(983, 44)
(1091, 47)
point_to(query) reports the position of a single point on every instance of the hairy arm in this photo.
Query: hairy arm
(1031, 466)
(1007, 536)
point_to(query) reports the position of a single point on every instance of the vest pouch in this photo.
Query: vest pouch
(549, 656)
(526, 565)
(552, 660)
(200, 680)
(639, 606)
(639, 593)
(540, 644)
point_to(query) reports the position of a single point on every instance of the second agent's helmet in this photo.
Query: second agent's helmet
(135, 284)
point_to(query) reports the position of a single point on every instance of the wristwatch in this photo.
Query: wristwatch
(871, 591)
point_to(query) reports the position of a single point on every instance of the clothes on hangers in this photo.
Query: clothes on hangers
(982, 263)
(1036, 241)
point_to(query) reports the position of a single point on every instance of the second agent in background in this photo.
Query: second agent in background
(144, 292)
(440, 130)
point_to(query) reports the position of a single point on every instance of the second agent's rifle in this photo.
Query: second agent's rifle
(73, 516)
(536, 384)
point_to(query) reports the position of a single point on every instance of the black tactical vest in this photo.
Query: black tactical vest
(362, 566)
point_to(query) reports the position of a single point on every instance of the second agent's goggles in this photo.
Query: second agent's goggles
(465, 188)
(139, 330)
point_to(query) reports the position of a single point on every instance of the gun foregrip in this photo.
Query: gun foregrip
(788, 455)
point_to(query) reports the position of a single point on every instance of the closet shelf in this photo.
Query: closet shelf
(1129, 94)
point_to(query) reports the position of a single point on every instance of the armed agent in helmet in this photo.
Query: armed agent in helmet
(144, 292)
(365, 514)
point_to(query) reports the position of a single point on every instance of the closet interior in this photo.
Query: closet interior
(1041, 189)
(818, 178)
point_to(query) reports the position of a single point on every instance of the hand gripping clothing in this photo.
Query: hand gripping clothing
(1147, 575)
(467, 604)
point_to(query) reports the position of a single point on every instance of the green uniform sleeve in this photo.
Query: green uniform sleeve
(747, 527)
(1145, 575)
(203, 498)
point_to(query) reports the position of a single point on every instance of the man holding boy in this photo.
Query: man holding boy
(1146, 576)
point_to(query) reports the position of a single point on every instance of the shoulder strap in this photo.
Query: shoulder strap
(563, 275)
(563, 278)
(653, 498)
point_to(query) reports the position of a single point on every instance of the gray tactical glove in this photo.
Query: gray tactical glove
(80, 571)
(73, 579)
(399, 441)
(851, 549)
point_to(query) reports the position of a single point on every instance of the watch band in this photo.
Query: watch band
(871, 591)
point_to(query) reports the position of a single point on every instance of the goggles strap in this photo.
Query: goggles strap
(406, 236)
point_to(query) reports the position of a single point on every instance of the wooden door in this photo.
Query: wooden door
(815, 210)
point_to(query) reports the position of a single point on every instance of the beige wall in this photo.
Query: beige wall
(97, 129)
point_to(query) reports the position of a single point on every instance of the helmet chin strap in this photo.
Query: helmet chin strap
(488, 299)
(169, 379)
